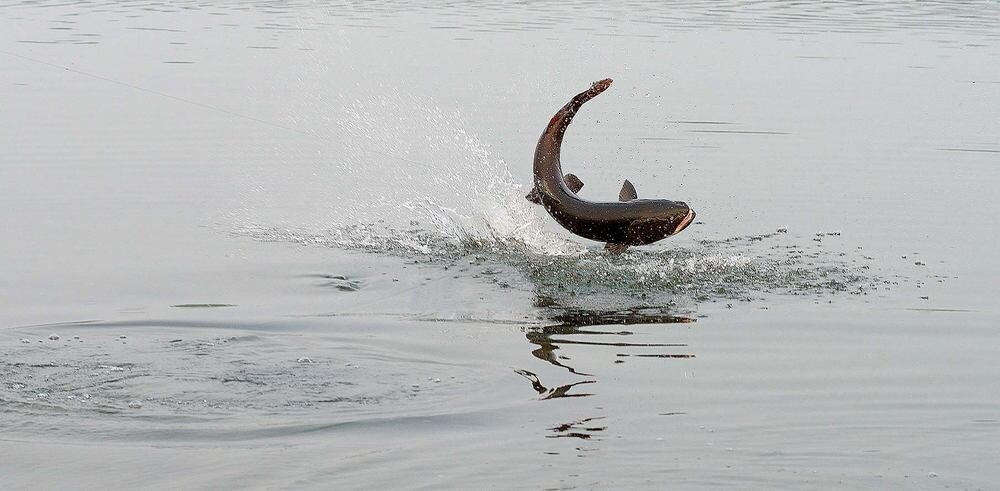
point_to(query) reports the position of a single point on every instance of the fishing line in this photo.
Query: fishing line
(195, 103)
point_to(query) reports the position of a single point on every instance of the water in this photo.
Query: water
(285, 245)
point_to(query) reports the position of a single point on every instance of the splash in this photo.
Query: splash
(392, 164)
(406, 178)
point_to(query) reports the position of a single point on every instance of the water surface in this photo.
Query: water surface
(285, 244)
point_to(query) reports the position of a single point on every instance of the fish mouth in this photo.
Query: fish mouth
(684, 222)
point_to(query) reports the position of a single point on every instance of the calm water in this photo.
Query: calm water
(285, 245)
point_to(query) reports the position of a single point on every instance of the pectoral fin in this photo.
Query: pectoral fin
(628, 192)
(615, 248)
(574, 183)
(534, 197)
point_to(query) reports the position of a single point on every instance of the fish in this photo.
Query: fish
(630, 221)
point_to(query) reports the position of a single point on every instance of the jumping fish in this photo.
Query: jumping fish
(627, 222)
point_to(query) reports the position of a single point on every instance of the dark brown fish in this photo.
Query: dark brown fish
(630, 221)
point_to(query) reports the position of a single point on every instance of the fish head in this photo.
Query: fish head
(681, 218)
(669, 218)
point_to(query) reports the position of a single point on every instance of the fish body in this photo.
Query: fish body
(626, 222)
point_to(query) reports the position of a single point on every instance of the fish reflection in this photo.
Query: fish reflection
(555, 392)
(565, 325)
(568, 321)
(583, 429)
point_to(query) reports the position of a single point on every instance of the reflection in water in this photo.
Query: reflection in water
(555, 392)
(566, 322)
(569, 321)
(577, 429)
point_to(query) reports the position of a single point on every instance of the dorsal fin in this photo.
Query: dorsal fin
(574, 183)
(628, 192)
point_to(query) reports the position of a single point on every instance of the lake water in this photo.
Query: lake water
(286, 245)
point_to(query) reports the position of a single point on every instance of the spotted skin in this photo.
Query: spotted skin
(619, 224)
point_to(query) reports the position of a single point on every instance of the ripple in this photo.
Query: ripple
(162, 379)
(202, 305)
(340, 282)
